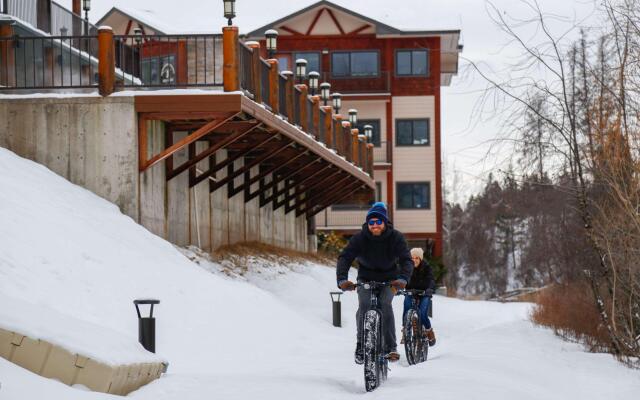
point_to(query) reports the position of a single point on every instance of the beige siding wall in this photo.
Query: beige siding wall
(415, 164)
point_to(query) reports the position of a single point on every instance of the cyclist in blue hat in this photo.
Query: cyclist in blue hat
(383, 256)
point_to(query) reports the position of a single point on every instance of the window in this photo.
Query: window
(283, 63)
(375, 123)
(412, 132)
(415, 195)
(412, 63)
(354, 64)
(313, 61)
(378, 191)
(159, 70)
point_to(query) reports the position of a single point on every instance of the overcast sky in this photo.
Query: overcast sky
(466, 133)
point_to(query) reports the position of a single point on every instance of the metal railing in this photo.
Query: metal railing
(282, 96)
(313, 129)
(246, 76)
(65, 22)
(322, 133)
(344, 216)
(265, 68)
(370, 84)
(382, 153)
(170, 60)
(48, 62)
(296, 106)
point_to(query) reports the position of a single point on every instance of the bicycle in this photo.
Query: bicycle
(416, 345)
(376, 364)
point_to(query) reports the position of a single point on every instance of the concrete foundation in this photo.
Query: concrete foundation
(93, 142)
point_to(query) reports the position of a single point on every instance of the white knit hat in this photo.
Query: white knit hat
(417, 252)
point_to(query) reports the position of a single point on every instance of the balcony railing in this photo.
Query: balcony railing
(382, 154)
(370, 84)
(61, 21)
(336, 218)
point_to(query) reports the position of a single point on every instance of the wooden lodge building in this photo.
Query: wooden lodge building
(207, 139)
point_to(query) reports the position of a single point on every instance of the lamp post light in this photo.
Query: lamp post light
(63, 31)
(336, 99)
(137, 32)
(229, 10)
(301, 69)
(272, 42)
(314, 79)
(325, 92)
(86, 6)
(368, 132)
(353, 117)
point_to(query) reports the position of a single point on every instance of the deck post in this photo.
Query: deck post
(106, 61)
(304, 94)
(7, 54)
(315, 117)
(370, 159)
(256, 71)
(230, 64)
(355, 147)
(274, 86)
(328, 126)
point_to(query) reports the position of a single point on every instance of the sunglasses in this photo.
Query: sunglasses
(375, 222)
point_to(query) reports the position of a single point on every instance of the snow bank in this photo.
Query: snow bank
(72, 264)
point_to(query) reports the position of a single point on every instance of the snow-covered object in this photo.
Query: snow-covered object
(260, 331)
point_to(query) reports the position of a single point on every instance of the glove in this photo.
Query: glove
(347, 285)
(428, 292)
(399, 284)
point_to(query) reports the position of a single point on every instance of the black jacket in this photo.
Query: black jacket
(422, 277)
(383, 258)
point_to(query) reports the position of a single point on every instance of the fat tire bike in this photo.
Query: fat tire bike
(376, 364)
(416, 345)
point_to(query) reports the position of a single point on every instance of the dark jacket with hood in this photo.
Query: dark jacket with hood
(422, 277)
(381, 258)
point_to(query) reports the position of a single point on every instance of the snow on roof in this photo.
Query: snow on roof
(207, 16)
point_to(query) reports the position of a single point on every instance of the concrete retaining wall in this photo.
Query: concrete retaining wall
(92, 142)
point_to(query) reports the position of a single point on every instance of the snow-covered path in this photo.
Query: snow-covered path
(268, 335)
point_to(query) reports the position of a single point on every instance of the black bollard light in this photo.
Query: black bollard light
(337, 311)
(147, 325)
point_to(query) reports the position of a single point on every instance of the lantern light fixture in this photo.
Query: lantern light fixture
(229, 10)
(86, 5)
(301, 69)
(138, 35)
(353, 117)
(325, 91)
(272, 41)
(336, 99)
(314, 79)
(368, 132)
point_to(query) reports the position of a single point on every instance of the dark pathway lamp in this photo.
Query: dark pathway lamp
(229, 11)
(353, 117)
(314, 79)
(272, 42)
(86, 6)
(368, 132)
(301, 69)
(336, 100)
(63, 31)
(325, 92)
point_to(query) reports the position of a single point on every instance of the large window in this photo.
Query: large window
(412, 132)
(413, 195)
(412, 63)
(313, 60)
(375, 123)
(354, 64)
(159, 70)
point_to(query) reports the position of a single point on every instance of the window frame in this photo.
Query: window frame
(294, 57)
(428, 200)
(350, 76)
(412, 75)
(413, 120)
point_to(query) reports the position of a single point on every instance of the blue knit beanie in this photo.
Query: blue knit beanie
(378, 210)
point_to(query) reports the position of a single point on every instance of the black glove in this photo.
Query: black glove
(428, 292)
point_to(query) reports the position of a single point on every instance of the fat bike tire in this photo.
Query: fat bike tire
(411, 338)
(372, 350)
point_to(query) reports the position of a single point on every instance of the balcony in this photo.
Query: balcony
(360, 85)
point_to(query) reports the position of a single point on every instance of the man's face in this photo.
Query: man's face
(376, 226)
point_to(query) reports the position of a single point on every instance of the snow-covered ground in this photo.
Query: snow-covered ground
(266, 334)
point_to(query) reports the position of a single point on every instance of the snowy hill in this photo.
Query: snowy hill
(68, 254)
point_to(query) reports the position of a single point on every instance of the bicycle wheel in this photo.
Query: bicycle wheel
(410, 338)
(372, 350)
(422, 347)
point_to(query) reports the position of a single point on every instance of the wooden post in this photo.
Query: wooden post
(142, 143)
(256, 71)
(337, 134)
(328, 126)
(106, 61)
(370, 159)
(274, 86)
(315, 116)
(362, 152)
(76, 28)
(289, 96)
(304, 94)
(8, 57)
(355, 147)
(182, 76)
(230, 63)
